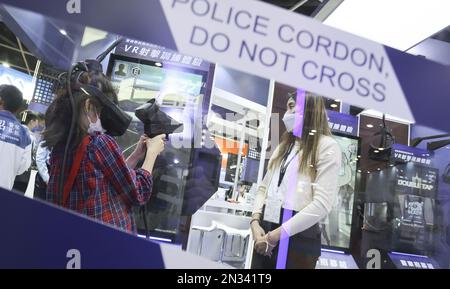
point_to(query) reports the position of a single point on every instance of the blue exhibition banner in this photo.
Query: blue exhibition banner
(35, 234)
(38, 235)
(342, 123)
(330, 259)
(404, 153)
(409, 261)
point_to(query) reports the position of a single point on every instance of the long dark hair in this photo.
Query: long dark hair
(59, 113)
(315, 121)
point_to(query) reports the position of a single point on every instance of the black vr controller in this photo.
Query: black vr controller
(155, 121)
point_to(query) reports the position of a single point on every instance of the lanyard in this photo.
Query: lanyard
(285, 164)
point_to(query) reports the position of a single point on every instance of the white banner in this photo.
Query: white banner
(267, 41)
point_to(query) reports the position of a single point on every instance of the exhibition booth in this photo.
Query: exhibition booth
(393, 196)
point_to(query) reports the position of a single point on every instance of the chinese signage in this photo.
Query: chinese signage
(403, 153)
(147, 51)
(342, 123)
(407, 261)
(12, 132)
(331, 260)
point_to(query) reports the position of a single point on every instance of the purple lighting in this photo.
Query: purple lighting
(287, 214)
(299, 112)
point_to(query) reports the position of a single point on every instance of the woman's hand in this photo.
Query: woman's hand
(261, 246)
(156, 145)
(138, 153)
(258, 236)
(257, 231)
(271, 241)
(265, 245)
(141, 148)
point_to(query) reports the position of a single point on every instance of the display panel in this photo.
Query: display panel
(140, 82)
(401, 206)
(180, 93)
(414, 208)
(336, 229)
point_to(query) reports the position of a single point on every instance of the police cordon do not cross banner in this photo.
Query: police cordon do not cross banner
(277, 44)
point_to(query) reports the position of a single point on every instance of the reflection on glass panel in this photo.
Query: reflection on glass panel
(406, 202)
(336, 229)
(179, 93)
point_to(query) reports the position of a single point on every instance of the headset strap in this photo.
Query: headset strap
(81, 151)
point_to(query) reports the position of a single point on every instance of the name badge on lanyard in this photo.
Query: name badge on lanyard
(274, 199)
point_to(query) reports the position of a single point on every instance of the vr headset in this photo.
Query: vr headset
(114, 120)
(155, 121)
(382, 151)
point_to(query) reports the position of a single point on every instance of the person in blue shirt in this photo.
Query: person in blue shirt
(15, 141)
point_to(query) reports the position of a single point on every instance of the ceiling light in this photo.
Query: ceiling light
(337, 100)
(63, 32)
(359, 171)
(376, 151)
(369, 125)
(403, 25)
(311, 133)
(381, 149)
(158, 64)
(176, 161)
(334, 105)
(379, 169)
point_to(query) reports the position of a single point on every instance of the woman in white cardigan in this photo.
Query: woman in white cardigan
(301, 184)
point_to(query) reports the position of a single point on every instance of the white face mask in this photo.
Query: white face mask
(95, 127)
(289, 121)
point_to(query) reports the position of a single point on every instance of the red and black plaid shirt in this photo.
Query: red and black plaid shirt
(105, 188)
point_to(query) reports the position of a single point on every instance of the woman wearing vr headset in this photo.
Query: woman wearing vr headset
(98, 181)
(301, 184)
